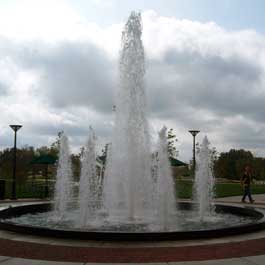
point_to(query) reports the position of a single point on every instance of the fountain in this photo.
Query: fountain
(137, 200)
(204, 182)
(166, 204)
(63, 192)
(89, 185)
(128, 189)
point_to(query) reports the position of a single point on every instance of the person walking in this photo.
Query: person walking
(246, 181)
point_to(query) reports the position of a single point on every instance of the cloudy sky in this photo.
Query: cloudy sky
(205, 69)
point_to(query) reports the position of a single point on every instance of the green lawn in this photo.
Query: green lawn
(26, 190)
(184, 189)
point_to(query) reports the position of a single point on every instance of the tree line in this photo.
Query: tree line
(231, 164)
(27, 154)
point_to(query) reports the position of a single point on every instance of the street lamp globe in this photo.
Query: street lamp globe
(15, 128)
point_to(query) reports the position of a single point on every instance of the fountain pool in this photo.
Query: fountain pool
(228, 220)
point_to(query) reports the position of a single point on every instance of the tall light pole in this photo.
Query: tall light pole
(194, 133)
(15, 129)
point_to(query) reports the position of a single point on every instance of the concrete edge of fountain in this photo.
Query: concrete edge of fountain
(128, 236)
(33, 247)
(138, 254)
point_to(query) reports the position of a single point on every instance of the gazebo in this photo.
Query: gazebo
(176, 163)
(45, 160)
(178, 167)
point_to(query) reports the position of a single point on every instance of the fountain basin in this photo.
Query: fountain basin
(253, 221)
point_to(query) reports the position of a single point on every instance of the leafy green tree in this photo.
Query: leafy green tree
(6, 163)
(52, 150)
(258, 167)
(171, 146)
(231, 164)
(76, 166)
(24, 156)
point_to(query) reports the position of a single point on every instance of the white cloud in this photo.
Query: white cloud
(59, 71)
(30, 19)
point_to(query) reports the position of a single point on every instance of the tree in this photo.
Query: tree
(76, 166)
(24, 156)
(6, 163)
(258, 166)
(171, 144)
(231, 164)
(53, 150)
(104, 151)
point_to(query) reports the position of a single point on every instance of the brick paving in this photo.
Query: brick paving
(247, 251)
(137, 255)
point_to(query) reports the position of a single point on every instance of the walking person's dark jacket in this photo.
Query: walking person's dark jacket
(246, 181)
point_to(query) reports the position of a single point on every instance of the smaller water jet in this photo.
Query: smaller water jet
(89, 186)
(63, 192)
(165, 185)
(204, 181)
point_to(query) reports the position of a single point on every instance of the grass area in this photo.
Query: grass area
(26, 190)
(184, 189)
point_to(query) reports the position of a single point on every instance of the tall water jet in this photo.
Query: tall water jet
(128, 177)
(89, 185)
(63, 194)
(166, 200)
(204, 181)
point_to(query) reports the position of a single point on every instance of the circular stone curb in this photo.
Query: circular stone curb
(38, 251)
(57, 251)
(16, 211)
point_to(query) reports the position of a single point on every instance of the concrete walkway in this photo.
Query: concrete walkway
(259, 199)
(253, 260)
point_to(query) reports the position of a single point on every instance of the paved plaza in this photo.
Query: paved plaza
(238, 246)
(254, 260)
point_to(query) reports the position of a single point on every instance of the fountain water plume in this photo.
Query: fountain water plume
(89, 185)
(136, 189)
(128, 177)
(165, 185)
(204, 181)
(63, 192)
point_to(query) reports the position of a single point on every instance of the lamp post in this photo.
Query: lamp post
(15, 128)
(194, 133)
